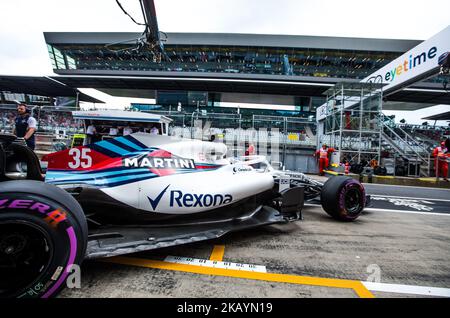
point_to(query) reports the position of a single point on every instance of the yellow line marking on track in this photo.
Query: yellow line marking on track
(357, 286)
(217, 253)
(384, 177)
(331, 172)
(428, 179)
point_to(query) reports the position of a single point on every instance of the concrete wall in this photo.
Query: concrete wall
(301, 160)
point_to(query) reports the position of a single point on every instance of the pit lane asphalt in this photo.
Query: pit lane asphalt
(412, 199)
(407, 192)
(407, 248)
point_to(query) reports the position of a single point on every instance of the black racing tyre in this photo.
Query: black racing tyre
(356, 168)
(43, 233)
(343, 198)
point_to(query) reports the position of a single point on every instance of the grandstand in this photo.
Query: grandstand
(201, 72)
(227, 53)
(207, 69)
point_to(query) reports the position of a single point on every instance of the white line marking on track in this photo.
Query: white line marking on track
(389, 210)
(215, 264)
(407, 289)
(405, 211)
(403, 186)
(406, 198)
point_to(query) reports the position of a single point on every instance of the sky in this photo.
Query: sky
(22, 23)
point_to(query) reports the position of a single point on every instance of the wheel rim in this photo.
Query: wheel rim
(353, 201)
(25, 254)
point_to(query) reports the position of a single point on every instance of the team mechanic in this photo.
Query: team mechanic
(322, 156)
(440, 153)
(25, 125)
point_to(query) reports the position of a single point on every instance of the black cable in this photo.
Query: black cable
(120, 5)
(143, 39)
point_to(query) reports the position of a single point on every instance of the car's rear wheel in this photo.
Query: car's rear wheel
(343, 198)
(43, 234)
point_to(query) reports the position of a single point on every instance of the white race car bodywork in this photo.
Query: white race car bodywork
(191, 193)
(184, 176)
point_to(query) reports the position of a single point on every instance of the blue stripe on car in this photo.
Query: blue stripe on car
(117, 143)
(107, 182)
(111, 147)
(129, 143)
(51, 175)
(135, 141)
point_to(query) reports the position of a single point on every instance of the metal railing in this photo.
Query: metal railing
(407, 147)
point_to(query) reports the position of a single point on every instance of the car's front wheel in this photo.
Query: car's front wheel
(343, 198)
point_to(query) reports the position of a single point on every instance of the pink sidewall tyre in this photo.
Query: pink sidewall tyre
(43, 233)
(343, 198)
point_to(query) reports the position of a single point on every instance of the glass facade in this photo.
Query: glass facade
(221, 59)
(174, 98)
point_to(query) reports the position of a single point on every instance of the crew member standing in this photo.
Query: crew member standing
(251, 150)
(440, 153)
(127, 130)
(322, 155)
(154, 130)
(113, 131)
(25, 126)
(91, 133)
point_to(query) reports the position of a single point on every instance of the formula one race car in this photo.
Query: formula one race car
(137, 193)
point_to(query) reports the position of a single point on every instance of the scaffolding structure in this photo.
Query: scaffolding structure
(353, 121)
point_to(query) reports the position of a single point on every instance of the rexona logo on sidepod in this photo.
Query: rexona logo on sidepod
(181, 199)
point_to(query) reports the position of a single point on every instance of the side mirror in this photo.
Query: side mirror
(277, 165)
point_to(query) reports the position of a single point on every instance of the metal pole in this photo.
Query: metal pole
(395, 162)
(429, 165)
(341, 123)
(284, 140)
(360, 123)
(380, 122)
(77, 101)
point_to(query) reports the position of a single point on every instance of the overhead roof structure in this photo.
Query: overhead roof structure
(140, 86)
(120, 115)
(414, 94)
(237, 39)
(443, 116)
(42, 86)
(230, 83)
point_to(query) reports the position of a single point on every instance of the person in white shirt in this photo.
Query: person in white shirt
(154, 131)
(113, 131)
(91, 131)
(127, 131)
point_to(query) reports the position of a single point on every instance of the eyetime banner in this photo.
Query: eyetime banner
(415, 65)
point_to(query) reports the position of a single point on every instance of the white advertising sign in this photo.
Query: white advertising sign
(414, 63)
(321, 112)
(412, 66)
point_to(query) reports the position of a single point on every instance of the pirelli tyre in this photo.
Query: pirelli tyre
(343, 198)
(43, 237)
